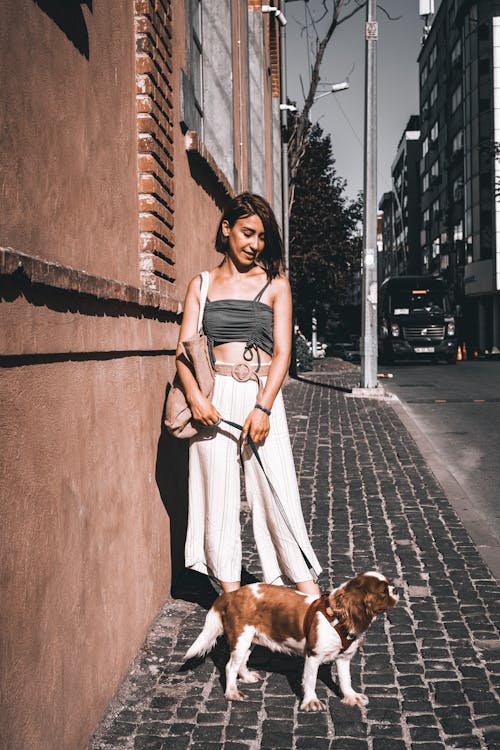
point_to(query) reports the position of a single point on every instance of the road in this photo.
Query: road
(454, 414)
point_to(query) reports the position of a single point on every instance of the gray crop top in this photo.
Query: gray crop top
(251, 321)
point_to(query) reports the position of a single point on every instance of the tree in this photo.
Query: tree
(334, 13)
(325, 245)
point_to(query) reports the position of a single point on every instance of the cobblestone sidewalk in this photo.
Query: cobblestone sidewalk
(431, 668)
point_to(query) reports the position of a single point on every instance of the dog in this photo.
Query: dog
(321, 629)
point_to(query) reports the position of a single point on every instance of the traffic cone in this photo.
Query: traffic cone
(464, 353)
(459, 353)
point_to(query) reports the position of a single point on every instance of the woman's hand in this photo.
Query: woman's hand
(202, 409)
(257, 425)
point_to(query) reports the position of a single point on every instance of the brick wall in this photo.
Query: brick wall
(154, 70)
(275, 57)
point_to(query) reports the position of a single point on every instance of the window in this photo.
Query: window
(456, 98)
(434, 94)
(426, 217)
(435, 131)
(458, 232)
(432, 57)
(425, 146)
(456, 52)
(436, 247)
(458, 189)
(423, 75)
(435, 169)
(425, 183)
(484, 67)
(192, 83)
(425, 258)
(436, 210)
(458, 142)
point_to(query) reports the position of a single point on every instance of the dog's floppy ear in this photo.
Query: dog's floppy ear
(350, 606)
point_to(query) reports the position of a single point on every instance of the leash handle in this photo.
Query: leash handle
(274, 494)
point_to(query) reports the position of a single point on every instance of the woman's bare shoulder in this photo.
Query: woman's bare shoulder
(280, 284)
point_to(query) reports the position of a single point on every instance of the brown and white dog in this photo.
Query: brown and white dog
(321, 629)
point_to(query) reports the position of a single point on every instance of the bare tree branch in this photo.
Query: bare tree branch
(301, 124)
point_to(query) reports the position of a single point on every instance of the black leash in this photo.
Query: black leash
(273, 492)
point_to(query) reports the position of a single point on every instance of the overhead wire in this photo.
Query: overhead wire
(344, 113)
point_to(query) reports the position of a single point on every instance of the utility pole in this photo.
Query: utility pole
(369, 288)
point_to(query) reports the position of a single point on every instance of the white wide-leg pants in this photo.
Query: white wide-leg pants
(213, 542)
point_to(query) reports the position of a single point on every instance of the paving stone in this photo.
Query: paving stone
(207, 733)
(387, 743)
(467, 743)
(312, 743)
(145, 742)
(424, 734)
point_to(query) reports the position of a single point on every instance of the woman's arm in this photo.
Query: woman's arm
(203, 410)
(257, 422)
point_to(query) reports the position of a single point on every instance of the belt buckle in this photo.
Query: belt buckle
(241, 372)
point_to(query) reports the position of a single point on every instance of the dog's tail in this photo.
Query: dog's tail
(212, 629)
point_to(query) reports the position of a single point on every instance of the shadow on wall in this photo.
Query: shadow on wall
(172, 480)
(172, 469)
(206, 179)
(68, 15)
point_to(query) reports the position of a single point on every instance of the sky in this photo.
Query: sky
(342, 114)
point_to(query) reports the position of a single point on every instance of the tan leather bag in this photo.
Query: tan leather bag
(178, 417)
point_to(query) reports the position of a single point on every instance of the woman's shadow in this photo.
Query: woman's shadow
(172, 472)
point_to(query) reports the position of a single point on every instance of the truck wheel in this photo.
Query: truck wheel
(387, 355)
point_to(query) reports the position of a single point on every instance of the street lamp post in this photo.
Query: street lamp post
(369, 281)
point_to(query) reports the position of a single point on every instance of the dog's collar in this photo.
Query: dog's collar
(323, 605)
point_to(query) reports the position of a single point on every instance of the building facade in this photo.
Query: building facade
(459, 68)
(126, 126)
(400, 208)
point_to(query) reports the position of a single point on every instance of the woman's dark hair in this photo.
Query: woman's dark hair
(248, 204)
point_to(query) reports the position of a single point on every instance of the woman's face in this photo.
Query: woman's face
(246, 239)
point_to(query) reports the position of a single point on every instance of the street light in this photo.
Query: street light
(280, 16)
(334, 87)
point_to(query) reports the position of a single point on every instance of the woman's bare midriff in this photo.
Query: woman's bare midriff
(233, 352)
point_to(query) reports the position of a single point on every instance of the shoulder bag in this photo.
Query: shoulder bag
(178, 417)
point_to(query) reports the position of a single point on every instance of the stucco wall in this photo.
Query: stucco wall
(68, 136)
(84, 547)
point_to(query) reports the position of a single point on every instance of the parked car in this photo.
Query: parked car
(346, 351)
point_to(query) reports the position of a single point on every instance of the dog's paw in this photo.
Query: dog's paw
(233, 694)
(313, 704)
(355, 699)
(250, 676)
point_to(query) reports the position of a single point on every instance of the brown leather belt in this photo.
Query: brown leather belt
(243, 371)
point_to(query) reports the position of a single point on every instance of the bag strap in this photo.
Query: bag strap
(203, 298)
(275, 496)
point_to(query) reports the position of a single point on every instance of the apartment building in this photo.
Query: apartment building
(401, 208)
(459, 69)
(126, 126)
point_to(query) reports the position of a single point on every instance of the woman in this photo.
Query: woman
(248, 322)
